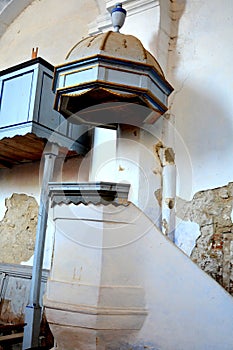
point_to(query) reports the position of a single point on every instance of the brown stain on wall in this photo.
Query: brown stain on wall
(157, 153)
(164, 156)
(213, 252)
(169, 156)
(18, 229)
(158, 196)
(170, 202)
(7, 315)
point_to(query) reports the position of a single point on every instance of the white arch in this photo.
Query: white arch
(9, 10)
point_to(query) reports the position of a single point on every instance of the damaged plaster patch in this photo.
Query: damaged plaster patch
(164, 156)
(170, 202)
(157, 152)
(158, 196)
(186, 235)
(169, 156)
(165, 226)
(213, 251)
(18, 229)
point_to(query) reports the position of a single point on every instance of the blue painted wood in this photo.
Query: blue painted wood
(12, 110)
(75, 81)
(26, 105)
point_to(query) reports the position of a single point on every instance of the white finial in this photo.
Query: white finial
(118, 17)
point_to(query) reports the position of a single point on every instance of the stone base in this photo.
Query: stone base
(74, 337)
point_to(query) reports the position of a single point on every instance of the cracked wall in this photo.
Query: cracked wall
(211, 210)
(18, 229)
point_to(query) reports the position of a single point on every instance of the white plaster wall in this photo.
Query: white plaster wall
(129, 159)
(103, 155)
(52, 25)
(26, 178)
(187, 233)
(201, 71)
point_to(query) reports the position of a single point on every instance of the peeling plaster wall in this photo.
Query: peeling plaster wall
(18, 228)
(213, 250)
(19, 198)
(18, 212)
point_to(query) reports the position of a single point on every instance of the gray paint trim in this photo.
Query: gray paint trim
(20, 271)
(89, 192)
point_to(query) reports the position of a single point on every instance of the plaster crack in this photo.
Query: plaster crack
(178, 90)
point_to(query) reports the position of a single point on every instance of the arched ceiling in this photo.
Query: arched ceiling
(9, 10)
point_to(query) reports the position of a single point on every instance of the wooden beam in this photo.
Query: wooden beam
(11, 327)
(7, 337)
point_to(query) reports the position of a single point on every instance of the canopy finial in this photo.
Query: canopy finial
(118, 16)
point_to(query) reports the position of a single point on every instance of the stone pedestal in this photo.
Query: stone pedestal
(94, 291)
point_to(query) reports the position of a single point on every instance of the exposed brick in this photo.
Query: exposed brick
(213, 252)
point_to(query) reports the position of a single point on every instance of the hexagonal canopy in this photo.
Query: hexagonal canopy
(107, 78)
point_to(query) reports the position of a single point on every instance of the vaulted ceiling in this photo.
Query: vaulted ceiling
(9, 10)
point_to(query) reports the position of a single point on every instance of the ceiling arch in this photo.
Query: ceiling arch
(9, 10)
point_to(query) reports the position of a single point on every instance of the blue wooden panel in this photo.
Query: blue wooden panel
(15, 99)
(26, 105)
(46, 115)
(80, 76)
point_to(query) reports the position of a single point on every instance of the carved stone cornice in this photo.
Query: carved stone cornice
(89, 192)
